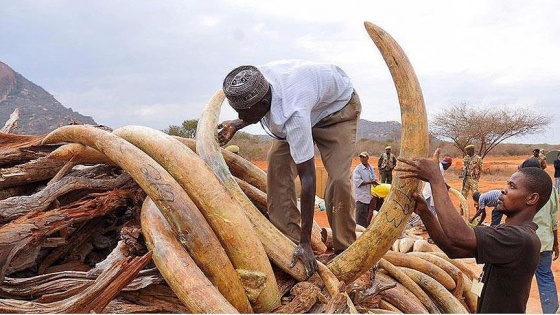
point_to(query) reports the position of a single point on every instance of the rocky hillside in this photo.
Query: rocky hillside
(379, 130)
(39, 111)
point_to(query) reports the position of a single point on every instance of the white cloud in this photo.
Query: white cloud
(157, 63)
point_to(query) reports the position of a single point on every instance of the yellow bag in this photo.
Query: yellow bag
(381, 190)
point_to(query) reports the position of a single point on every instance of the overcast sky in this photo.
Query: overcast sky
(157, 63)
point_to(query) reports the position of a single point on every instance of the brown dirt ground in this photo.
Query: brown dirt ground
(497, 171)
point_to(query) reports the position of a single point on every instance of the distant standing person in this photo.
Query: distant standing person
(427, 190)
(534, 161)
(547, 221)
(489, 199)
(557, 173)
(509, 252)
(472, 167)
(386, 164)
(363, 177)
(542, 158)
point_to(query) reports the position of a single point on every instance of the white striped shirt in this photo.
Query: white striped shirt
(362, 174)
(303, 93)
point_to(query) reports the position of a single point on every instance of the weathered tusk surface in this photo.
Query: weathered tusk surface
(178, 268)
(462, 203)
(399, 205)
(278, 247)
(187, 222)
(79, 153)
(220, 208)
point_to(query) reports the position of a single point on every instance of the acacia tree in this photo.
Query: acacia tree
(186, 130)
(486, 128)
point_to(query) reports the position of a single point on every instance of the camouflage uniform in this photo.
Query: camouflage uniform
(472, 167)
(542, 160)
(385, 165)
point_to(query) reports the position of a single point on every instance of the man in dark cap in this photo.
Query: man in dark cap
(537, 156)
(386, 163)
(300, 103)
(363, 178)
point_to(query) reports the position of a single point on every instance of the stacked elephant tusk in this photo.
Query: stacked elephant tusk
(217, 250)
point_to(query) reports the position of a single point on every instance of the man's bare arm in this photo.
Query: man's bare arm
(228, 128)
(306, 172)
(433, 226)
(461, 237)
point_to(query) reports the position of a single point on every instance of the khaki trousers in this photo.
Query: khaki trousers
(335, 136)
(469, 184)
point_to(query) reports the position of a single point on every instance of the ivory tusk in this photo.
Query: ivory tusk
(178, 268)
(220, 208)
(248, 171)
(79, 154)
(399, 205)
(187, 222)
(464, 205)
(278, 247)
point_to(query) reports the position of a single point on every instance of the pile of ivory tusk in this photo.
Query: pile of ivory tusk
(188, 201)
(203, 222)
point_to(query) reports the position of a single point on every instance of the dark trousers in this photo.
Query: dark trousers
(496, 217)
(374, 205)
(362, 210)
(386, 177)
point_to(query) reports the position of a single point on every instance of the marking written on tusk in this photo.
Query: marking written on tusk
(406, 208)
(163, 189)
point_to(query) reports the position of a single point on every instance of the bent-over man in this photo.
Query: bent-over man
(300, 103)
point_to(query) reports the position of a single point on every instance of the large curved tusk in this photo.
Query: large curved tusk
(463, 204)
(408, 283)
(238, 166)
(187, 222)
(178, 268)
(245, 170)
(397, 208)
(445, 300)
(278, 252)
(278, 247)
(220, 208)
(79, 153)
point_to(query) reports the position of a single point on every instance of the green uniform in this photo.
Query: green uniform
(472, 167)
(386, 164)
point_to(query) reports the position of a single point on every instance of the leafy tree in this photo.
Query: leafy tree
(186, 130)
(486, 128)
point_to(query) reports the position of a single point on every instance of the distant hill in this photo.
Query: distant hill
(39, 111)
(379, 130)
(371, 130)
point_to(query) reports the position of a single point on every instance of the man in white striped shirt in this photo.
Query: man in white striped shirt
(300, 103)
